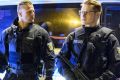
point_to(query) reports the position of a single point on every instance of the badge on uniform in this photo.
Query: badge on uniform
(118, 50)
(50, 46)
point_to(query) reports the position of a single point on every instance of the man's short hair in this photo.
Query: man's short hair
(95, 3)
(23, 2)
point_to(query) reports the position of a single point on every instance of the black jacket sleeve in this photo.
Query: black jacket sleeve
(3, 60)
(48, 52)
(113, 53)
(63, 68)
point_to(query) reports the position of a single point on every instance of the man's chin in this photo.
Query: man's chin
(31, 21)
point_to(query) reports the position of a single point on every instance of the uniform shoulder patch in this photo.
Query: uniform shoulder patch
(118, 50)
(50, 46)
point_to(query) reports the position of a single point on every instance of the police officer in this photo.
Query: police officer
(25, 45)
(93, 49)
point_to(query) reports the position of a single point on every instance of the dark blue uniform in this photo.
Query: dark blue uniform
(24, 49)
(94, 50)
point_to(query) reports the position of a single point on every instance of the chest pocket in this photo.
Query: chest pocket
(77, 45)
(97, 53)
(27, 45)
(99, 43)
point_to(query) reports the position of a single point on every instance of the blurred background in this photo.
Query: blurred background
(59, 18)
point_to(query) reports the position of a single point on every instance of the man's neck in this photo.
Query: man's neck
(23, 25)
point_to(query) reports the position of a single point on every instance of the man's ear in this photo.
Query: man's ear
(19, 14)
(98, 14)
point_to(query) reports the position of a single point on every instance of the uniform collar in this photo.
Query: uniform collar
(89, 30)
(86, 30)
(17, 25)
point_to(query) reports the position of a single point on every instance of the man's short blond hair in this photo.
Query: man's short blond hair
(95, 3)
(23, 2)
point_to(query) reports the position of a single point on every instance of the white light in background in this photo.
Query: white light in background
(57, 76)
(2, 75)
(75, 22)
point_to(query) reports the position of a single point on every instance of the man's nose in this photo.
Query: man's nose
(84, 15)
